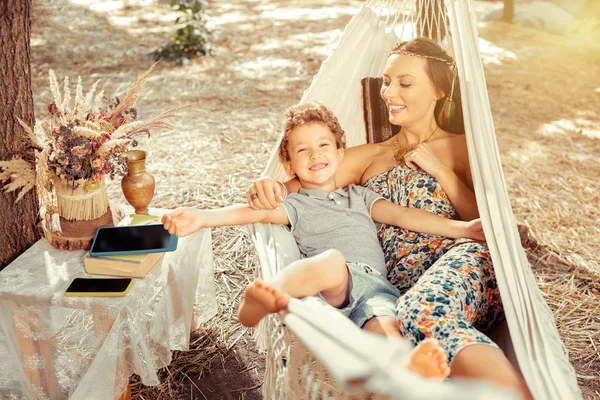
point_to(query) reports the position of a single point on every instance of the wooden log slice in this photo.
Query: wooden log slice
(76, 235)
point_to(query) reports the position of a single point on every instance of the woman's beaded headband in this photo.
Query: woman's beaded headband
(408, 53)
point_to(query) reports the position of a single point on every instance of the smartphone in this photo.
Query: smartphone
(99, 287)
(137, 239)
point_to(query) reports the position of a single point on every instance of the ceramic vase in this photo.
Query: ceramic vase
(138, 184)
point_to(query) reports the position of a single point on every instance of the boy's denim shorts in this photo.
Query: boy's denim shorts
(371, 295)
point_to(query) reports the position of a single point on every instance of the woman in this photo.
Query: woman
(448, 286)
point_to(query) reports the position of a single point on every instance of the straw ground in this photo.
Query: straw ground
(544, 104)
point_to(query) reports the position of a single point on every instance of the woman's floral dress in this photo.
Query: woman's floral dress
(448, 286)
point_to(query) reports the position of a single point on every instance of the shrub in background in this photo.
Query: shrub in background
(190, 40)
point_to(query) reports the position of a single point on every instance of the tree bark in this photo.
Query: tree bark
(17, 220)
(509, 11)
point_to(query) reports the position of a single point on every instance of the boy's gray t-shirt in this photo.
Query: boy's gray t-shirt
(338, 220)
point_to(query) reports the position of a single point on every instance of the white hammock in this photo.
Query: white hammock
(529, 337)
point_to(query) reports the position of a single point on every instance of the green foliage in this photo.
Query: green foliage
(193, 38)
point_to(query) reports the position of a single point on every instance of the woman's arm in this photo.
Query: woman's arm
(270, 193)
(459, 190)
(460, 194)
(267, 193)
(417, 220)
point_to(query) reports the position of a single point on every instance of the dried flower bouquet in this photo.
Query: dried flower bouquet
(83, 141)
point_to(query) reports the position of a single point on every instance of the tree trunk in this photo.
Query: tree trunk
(509, 11)
(17, 220)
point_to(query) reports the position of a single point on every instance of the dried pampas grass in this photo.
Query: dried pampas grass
(19, 173)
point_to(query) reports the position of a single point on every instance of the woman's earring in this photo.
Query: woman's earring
(448, 110)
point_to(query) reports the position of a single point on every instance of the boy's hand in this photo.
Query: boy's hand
(474, 230)
(183, 221)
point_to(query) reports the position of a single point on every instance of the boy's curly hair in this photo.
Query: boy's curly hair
(301, 114)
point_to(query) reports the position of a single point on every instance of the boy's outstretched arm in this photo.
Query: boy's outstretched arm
(417, 220)
(185, 221)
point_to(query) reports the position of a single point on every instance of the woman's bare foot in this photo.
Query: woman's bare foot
(260, 299)
(429, 360)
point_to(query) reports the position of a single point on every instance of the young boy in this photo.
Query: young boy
(334, 229)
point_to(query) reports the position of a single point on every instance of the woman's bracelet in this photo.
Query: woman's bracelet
(285, 191)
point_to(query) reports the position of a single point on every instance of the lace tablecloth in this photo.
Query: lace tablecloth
(57, 347)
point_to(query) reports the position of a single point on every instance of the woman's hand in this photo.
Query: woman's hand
(474, 230)
(265, 194)
(183, 221)
(423, 157)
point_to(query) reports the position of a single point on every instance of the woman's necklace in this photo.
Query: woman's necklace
(401, 151)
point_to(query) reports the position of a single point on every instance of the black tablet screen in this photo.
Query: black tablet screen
(129, 238)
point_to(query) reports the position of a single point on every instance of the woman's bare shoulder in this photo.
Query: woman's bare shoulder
(452, 142)
(456, 148)
(458, 144)
(356, 161)
(365, 150)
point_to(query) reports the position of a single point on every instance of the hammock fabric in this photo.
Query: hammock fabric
(335, 355)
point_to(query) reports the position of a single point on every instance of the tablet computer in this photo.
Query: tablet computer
(138, 239)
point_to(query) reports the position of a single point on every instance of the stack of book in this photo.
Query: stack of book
(131, 265)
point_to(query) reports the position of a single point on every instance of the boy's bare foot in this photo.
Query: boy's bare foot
(429, 360)
(260, 299)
